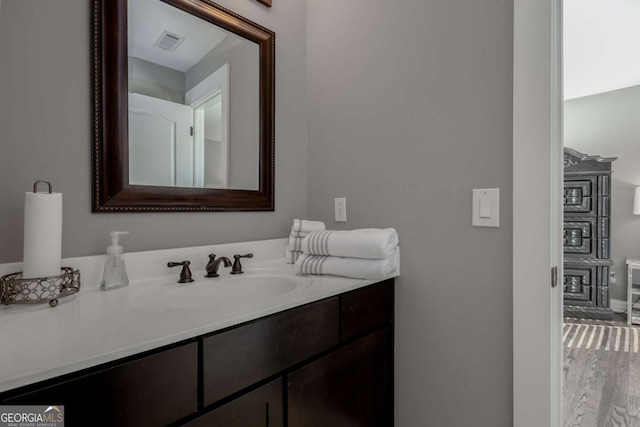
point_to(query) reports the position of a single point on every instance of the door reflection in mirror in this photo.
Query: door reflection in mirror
(193, 101)
(210, 101)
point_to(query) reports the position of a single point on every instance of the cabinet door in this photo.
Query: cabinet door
(351, 387)
(366, 309)
(154, 390)
(259, 408)
(237, 358)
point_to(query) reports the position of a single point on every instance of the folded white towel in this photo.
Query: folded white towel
(302, 225)
(295, 243)
(300, 229)
(292, 256)
(357, 268)
(302, 234)
(374, 243)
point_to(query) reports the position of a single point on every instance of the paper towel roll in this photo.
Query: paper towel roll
(42, 234)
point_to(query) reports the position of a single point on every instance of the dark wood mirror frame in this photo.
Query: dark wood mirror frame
(111, 189)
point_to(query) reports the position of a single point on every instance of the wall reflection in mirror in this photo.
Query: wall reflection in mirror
(193, 101)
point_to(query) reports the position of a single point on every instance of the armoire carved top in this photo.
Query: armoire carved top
(574, 161)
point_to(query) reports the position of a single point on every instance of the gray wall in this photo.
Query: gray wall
(45, 132)
(155, 80)
(608, 125)
(410, 107)
(244, 102)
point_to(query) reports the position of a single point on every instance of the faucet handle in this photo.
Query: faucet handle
(237, 267)
(185, 274)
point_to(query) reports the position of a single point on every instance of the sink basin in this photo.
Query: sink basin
(220, 292)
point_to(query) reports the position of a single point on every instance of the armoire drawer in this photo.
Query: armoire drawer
(579, 284)
(602, 296)
(580, 295)
(586, 284)
(580, 196)
(579, 236)
(586, 237)
(578, 275)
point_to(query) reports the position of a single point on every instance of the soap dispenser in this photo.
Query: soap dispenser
(115, 274)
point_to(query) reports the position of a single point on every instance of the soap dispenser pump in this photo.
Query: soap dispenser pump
(115, 274)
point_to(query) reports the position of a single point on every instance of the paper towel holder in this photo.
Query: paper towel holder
(35, 185)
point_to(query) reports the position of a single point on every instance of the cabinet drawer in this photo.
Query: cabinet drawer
(235, 359)
(366, 309)
(259, 408)
(154, 390)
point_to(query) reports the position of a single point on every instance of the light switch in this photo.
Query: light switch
(486, 207)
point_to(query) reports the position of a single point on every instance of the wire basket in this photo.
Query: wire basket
(16, 290)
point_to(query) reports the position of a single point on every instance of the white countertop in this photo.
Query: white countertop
(96, 327)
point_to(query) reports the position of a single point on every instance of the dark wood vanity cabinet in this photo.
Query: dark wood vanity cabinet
(349, 387)
(242, 356)
(352, 386)
(152, 390)
(327, 363)
(262, 407)
(366, 309)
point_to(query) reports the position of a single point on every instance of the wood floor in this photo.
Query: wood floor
(601, 373)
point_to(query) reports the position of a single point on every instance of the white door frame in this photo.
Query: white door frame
(217, 82)
(537, 213)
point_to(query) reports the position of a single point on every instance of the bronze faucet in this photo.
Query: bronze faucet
(214, 264)
(185, 274)
(237, 267)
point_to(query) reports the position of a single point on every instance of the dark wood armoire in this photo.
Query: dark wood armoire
(587, 207)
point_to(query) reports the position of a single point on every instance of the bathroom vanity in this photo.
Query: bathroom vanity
(318, 355)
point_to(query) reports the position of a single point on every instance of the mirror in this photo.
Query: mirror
(181, 130)
(183, 108)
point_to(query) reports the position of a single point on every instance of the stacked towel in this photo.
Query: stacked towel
(363, 254)
(358, 268)
(306, 227)
(301, 228)
(374, 243)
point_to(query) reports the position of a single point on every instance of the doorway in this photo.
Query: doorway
(537, 234)
(601, 366)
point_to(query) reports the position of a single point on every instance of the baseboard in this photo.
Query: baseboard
(618, 305)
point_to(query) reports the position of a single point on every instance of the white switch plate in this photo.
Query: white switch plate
(341, 209)
(486, 207)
